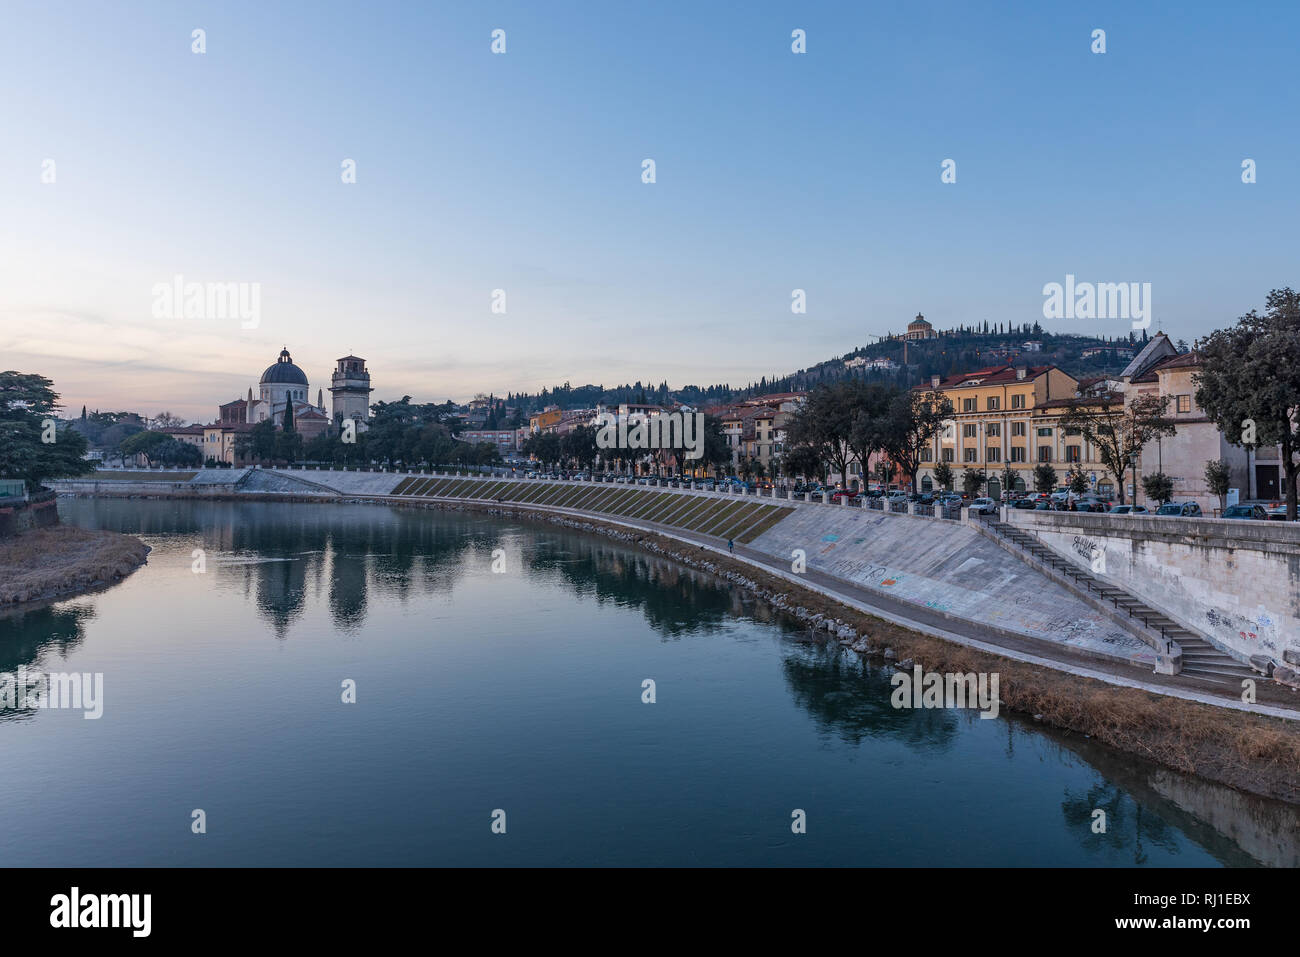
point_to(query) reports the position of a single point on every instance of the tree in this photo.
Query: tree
(869, 419)
(34, 444)
(1076, 480)
(972, 480)
(1249, 382)
(1218, 477)
(162, 421)
(883, 471)
(1044, 477)
(803, 460)
(1158, 486)
(825, 424)
(1008, 481)
(258, 443)
(943, 475)
(716, 451)
(1119, 431)
(914, 419)
(579, 446)
(148, 444)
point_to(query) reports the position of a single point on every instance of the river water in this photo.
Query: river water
(516, 696)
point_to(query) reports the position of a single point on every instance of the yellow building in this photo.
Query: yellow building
(545, 420)
(1004, 416)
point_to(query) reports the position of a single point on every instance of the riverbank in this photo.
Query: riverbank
(1248, 752)
(62, 560)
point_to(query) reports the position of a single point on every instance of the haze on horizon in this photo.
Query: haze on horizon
(522, 172)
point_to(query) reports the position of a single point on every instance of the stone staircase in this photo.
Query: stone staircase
(1201, 660)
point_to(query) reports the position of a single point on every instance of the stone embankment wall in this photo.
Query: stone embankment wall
(38, 511)
(1236, 582)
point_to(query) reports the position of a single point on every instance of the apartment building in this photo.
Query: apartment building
(1161, 370)
(1009, 417)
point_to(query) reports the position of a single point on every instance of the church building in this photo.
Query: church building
(284, 387)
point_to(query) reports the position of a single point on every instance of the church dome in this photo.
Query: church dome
(284, 372)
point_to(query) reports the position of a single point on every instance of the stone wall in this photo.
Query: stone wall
(1235, 582)
(39, 511)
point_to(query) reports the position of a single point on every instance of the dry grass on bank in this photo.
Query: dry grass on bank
(48, 562)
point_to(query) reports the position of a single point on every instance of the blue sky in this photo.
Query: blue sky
(522, 172)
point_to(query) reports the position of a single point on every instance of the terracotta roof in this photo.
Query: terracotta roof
(994, 375)
(1108, 398)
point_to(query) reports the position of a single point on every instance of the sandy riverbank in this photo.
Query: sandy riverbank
(62, 560)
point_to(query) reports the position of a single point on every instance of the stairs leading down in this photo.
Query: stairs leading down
(1201, 660)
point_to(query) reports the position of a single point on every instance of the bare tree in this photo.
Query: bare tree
(1118, 431)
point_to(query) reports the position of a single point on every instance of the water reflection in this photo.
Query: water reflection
(37, 639)
(353, 560)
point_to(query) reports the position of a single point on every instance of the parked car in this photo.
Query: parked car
(1044, 505)
(1091, 503)
(1246, 511)
(1183, 509)
(984, 506)
(1276, 511)
(896, 495)
(1128, 510)
(841, 494)
(1024, 503)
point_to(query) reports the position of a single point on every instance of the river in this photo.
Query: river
(516, 696)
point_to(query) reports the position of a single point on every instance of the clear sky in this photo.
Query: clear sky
(522, 172)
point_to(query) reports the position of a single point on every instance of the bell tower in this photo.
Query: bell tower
(350, 390)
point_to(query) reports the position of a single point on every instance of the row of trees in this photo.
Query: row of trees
(851, 419)
(578, 449)
(399, 433)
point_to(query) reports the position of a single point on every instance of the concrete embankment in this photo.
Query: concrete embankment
(1248, 746)
(933, 573)
(1235, 582)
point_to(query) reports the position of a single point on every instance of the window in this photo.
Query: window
(927, 455)
(994, 403)
(947, 455)
(1072, 453)
(968, 431)
(1045, 432)
(968, 455)
(968, 405)
(1017, 428)
(1184, 403)
(1017, 453)
(1044, 453)
(1072, 432)
(1018, 401)
(994, 454)
(993, 430)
